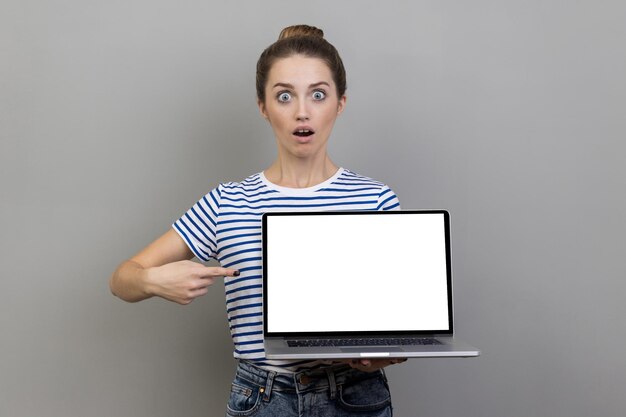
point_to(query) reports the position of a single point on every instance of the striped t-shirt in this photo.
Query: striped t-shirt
(226, 225)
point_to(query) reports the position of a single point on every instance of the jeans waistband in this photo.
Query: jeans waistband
(320, 379)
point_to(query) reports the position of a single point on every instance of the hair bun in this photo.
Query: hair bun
(301, 30)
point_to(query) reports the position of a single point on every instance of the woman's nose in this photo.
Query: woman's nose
(302, 111)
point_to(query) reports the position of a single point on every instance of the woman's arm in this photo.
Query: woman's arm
(164, 269)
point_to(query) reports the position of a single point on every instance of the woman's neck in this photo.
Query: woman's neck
(300, 173)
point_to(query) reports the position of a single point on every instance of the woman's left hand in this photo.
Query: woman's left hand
(371, 365)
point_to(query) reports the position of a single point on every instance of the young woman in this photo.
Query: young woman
(301, 86)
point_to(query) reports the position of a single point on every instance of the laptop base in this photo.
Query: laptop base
(277, 348)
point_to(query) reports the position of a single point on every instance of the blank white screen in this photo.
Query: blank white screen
(356, 272)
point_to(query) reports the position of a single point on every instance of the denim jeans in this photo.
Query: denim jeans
(328, 392)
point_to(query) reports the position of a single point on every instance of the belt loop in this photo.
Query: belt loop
(332, 384)
(268, 386)
(382, 371)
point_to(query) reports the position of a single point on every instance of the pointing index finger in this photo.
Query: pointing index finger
(216, 271)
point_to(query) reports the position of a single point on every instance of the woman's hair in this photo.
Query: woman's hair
(300, 40)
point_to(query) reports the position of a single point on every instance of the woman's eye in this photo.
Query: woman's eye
(284, 97)
(319, 95)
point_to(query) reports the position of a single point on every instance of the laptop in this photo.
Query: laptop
(358, 284)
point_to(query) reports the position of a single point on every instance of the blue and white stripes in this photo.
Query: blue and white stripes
(226, 225)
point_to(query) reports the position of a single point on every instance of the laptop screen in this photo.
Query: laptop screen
(357, 272)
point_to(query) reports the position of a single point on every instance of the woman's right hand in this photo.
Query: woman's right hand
(164, 269)
(183, 281)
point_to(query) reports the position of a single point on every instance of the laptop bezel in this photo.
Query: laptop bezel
(381, 333)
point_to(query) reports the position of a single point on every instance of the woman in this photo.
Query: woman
(301, 87)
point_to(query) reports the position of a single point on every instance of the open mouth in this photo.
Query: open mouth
(303, 133)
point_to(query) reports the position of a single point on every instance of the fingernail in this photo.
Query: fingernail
(236, 273)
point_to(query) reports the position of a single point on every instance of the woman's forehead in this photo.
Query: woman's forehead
(299, 70)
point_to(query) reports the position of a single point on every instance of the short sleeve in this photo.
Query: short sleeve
(197, 226)
(387, 200)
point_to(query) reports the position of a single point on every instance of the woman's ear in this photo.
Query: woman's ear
(341, 105)
(262, 109)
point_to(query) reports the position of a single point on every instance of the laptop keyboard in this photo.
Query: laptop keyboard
(363, 342)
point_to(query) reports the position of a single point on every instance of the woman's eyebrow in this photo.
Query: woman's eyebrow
(290, 86)
(318, 84)
(284, 85)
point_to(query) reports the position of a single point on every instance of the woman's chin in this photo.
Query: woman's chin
(304, 151)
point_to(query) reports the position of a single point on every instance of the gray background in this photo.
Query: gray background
(116, 116)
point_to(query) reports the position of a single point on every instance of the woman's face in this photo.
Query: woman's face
(301, 104)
